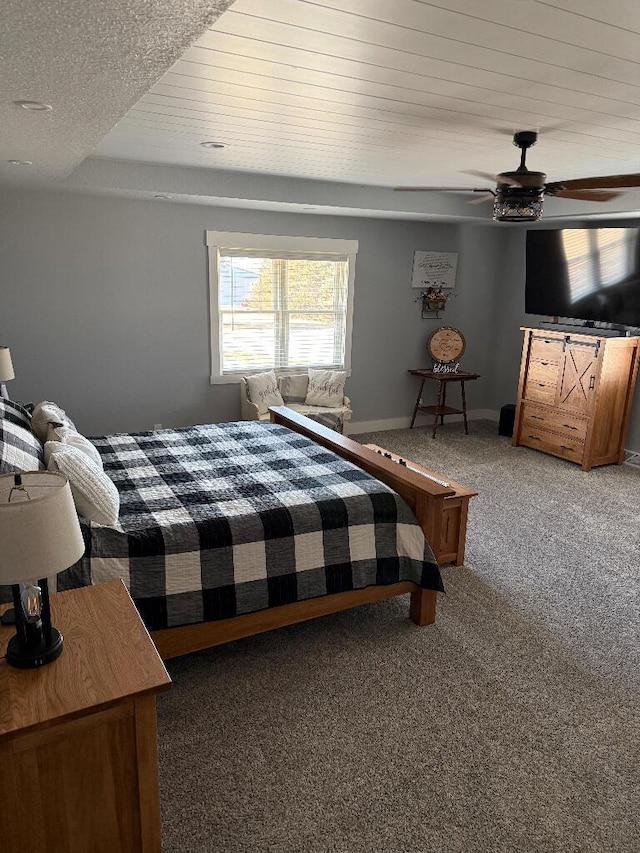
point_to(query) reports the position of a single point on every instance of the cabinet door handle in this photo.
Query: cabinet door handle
(564, 447)
(592, 382)
(536, 418)
(534, 437)
(568, 426)
(544, 363)
(542, 384)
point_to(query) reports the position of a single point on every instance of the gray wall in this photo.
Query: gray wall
(510, 310)
(105, 306)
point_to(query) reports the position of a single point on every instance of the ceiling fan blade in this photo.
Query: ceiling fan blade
(503, 178)
(605, 182)
(487, 175)
(587, 195)
(442, 190)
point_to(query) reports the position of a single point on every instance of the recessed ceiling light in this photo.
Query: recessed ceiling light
(212, 144)
(20, 162)
(33, 105)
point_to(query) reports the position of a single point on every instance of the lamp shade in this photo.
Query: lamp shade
(39, 530)
(6, 365)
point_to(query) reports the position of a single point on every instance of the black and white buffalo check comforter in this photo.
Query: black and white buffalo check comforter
(225, 519)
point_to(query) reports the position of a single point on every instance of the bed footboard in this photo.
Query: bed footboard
(441, 511)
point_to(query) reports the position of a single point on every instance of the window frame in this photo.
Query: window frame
(217, 240)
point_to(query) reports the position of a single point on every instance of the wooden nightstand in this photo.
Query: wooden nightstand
(441, 409)
(78, 742)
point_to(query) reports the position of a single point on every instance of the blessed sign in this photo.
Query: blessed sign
(449, 367)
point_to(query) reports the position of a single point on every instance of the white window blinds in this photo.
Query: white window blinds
(281, 308)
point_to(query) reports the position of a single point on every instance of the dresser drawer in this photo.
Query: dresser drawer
(548, 442)
(544, 371)
(541, 383)
(538, 418)
(546, 349)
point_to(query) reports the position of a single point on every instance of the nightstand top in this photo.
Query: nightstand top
(108, 656)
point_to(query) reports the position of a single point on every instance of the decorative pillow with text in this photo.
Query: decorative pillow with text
(326, 388)
(263, 391)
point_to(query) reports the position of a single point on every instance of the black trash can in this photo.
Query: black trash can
(507, 418)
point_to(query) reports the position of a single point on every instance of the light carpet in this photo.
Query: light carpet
(510, 725)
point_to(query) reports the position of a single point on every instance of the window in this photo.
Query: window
(279, 302)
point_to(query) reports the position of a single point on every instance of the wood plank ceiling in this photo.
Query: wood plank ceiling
(398, 93)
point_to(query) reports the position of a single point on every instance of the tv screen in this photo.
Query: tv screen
(585, 274)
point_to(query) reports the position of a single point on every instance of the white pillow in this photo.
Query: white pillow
(326, 388)
(68, 436)
(46, 413)
(94, 494)
(263, 391)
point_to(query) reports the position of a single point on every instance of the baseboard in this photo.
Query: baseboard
(355, 427)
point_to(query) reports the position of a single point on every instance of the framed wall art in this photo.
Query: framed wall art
(435, 270)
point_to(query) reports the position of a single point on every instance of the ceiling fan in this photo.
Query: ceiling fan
(519, 195)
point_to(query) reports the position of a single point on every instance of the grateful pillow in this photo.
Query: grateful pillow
(326, 388)
(94, 494)
(68, 436)
(263, 391)
(294, 387)
(46, 413)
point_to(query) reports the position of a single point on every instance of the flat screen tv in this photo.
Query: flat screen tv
(590, 274)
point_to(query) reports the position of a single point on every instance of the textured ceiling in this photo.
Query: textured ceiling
(91, 61)
(335, 101)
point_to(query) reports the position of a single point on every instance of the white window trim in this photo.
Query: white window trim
(270, 242)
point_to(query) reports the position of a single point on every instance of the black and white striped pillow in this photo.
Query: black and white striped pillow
(14, 412)
(20, 450)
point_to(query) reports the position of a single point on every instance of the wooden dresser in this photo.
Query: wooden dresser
(574, 396)
(78, 748)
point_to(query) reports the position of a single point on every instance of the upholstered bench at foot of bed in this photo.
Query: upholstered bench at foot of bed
(333, 418)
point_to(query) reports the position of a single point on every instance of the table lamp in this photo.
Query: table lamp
(39, 536)
(6, 370)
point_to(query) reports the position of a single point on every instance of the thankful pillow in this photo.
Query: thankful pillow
(326, 388)
(263, 391)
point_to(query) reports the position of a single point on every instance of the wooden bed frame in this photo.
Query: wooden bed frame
(425, 497)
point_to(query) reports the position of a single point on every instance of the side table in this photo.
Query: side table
(441, 409)
(78, 741)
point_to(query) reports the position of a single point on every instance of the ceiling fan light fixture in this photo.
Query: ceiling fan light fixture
(513, 204)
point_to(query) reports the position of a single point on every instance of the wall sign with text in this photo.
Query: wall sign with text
(434, 269)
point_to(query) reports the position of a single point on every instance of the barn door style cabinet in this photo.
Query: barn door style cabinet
(574, 396)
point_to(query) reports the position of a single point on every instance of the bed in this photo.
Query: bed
(227, 530)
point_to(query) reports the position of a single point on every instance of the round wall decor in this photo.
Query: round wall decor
(445, 344)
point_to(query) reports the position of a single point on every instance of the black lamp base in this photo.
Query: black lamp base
(20, 656)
